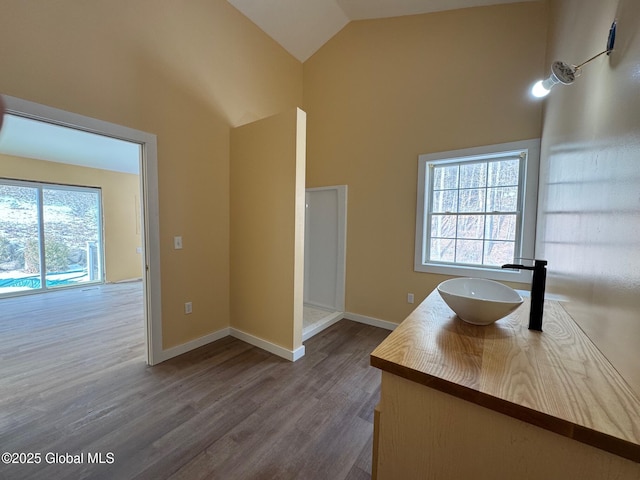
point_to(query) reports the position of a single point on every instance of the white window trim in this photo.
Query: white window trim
(529, 207)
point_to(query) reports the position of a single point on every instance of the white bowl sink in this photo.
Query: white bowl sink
(479, 301)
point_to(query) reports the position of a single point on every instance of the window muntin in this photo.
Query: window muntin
(476, 210)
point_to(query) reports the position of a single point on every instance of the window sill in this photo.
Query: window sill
(516, 276)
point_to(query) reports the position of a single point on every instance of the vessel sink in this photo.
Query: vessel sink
(479, 301)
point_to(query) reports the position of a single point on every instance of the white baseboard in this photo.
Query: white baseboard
(374, 322)
(298, 353)
(193, 344)
(291, 355)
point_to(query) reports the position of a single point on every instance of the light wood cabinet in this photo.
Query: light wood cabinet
(464, 402)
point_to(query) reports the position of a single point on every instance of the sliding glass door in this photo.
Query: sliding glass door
(50, 236)
(19, 234)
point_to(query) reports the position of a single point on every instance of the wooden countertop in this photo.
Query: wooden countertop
(557, 379)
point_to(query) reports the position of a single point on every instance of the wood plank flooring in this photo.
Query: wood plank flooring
(76, 382)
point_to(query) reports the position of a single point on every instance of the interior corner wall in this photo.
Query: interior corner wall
(589, 208)
(186, 72)
(267, 228)
(120, 207)
(380, 93)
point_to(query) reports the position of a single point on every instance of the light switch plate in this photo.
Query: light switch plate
(177, 243)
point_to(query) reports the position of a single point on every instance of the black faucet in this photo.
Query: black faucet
(537, 291)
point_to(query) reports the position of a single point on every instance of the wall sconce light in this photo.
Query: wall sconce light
(564, 73)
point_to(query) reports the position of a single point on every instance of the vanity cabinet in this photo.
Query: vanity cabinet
(463, 402)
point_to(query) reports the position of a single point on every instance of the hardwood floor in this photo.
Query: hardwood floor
(75, 382)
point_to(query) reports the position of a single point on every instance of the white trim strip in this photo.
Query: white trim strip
(193, 344)
(291, 355)
(374, 322)
(330, 320)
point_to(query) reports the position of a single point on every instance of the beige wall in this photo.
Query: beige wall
(380, 93)
(589, 213)
(120, 203)
(267, 228)
(186, 71)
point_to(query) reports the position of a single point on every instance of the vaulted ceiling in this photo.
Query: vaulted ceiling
(303, 26)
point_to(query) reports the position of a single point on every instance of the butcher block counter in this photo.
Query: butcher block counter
(461, 401)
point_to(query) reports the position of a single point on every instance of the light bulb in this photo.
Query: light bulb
(539, 90)
(560, 73)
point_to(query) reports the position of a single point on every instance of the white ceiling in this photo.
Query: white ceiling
(23, 137)
(303, 26)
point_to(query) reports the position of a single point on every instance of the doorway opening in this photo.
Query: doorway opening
(71, 139)
(324, 258)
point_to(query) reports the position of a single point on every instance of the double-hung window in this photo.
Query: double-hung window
(477, 210)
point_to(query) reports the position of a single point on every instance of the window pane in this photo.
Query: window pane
(19, 245)
(473, 175)
(471, 226)
(71, 236)
(445, 201)
(504, 172)
(498, 253)
(445, 177)
(500, 227)
(469, 251)
(472, 200)
(442, 250)
(443, 226)
(502, 199)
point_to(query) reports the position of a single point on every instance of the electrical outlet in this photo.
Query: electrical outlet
(409, 297)
(188, 308)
